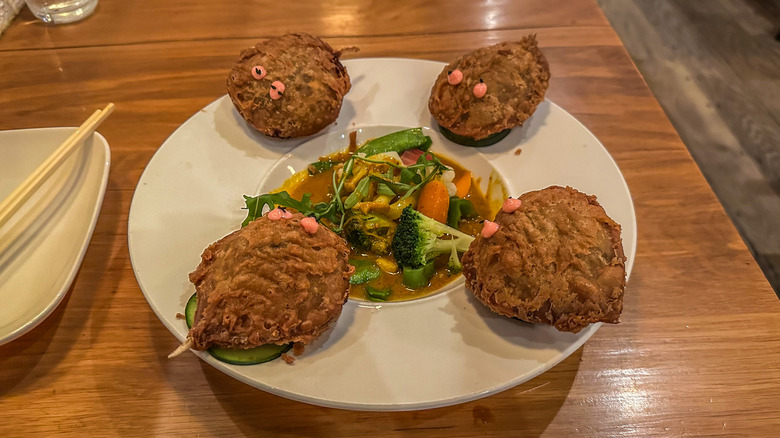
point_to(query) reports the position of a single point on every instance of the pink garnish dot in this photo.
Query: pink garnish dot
(275, 214)
(480, 90)
(277, 90)
(286, 214)
(489, 229)
(511, 204)
(310, 225)
(455, 77)
(258, 72)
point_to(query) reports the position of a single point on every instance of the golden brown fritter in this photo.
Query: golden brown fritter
(556, 260)
(313, 78)
(516, 76)
(269, 282)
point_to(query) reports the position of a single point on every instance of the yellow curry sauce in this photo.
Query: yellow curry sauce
(320, 188)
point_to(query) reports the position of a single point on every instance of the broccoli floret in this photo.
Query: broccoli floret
(368, 233)
(453, 264)
(418, 239)
(356, 235)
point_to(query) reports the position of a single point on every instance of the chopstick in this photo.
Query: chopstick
(24, 191)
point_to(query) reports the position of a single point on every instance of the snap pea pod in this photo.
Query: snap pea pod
(396, 142)
(375, 294)
(361, 191)
(459, 209)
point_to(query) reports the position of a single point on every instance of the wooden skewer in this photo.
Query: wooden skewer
(22, 193)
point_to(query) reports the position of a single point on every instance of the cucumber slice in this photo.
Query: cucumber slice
(189, 310)
(467, 141)
(237, 356)
(250, 356)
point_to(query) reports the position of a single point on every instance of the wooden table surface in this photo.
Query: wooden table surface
(698, 348)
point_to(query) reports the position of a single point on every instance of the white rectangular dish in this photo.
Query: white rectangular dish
(42, 246)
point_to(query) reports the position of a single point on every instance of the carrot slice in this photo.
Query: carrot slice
(434, 201)
(463, 184)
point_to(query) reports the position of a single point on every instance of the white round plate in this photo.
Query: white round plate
(435, 351)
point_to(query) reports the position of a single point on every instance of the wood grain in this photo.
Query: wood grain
(184, 20)
(696, 352)
(722, 91)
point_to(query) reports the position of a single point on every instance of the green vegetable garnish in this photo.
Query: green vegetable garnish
(409, 176)
(459, 209)
(361, 191)
(255, 206)
(384, 189)
(335, 211)
(413, 177)
(454, 266)
(320, 166)
(375, 294)
(365, 271)
(416, 278)
(369, 232)
(418, 239)
(396, 142)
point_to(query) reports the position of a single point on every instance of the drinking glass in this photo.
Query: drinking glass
(61, 11)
